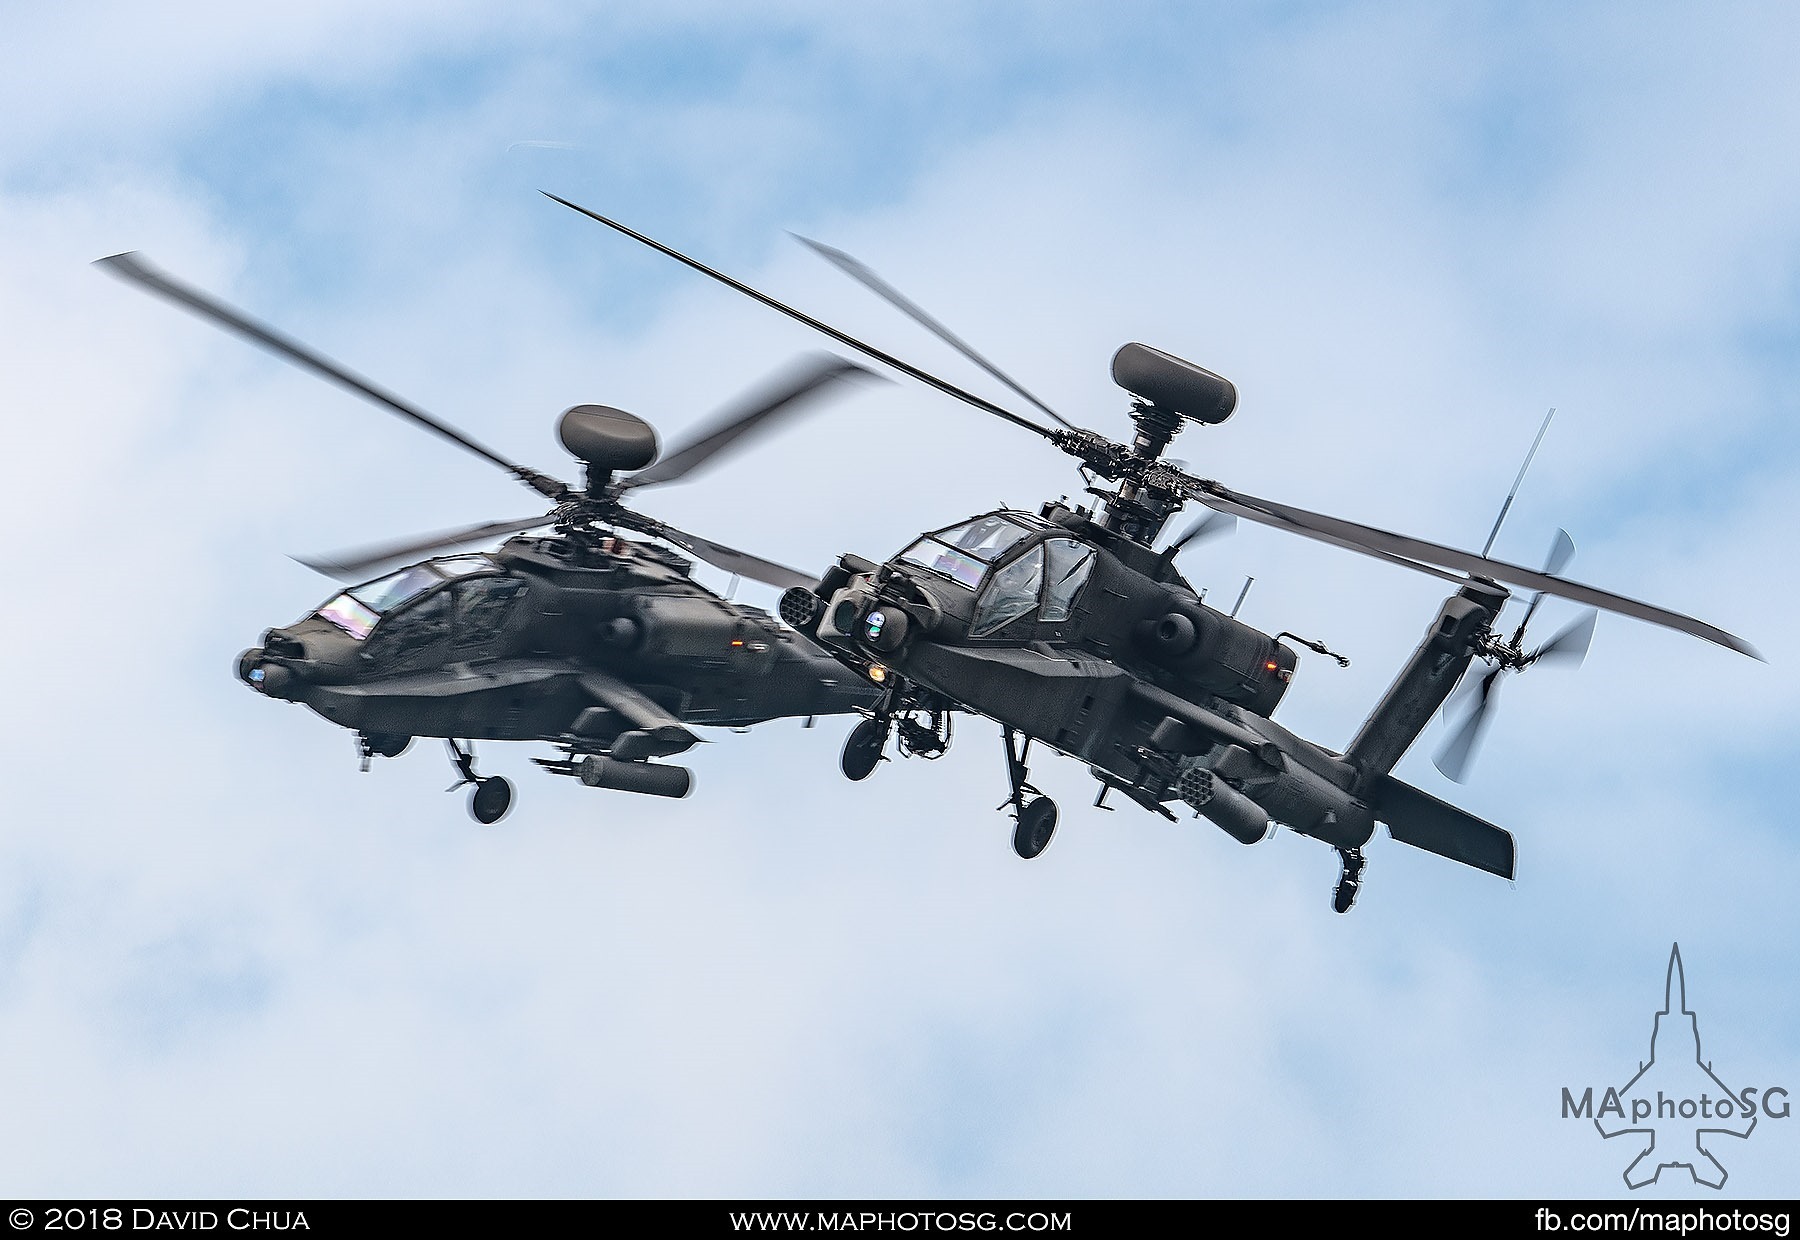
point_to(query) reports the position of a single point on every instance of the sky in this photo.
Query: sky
(232, 965)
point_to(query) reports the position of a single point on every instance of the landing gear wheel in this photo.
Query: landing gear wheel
(862, 751)
(1350, 881)
(490, 800)
(1037, 823)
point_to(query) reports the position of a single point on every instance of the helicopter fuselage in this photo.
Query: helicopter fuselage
(1100, 650)
(608, 648)
(1090, 643)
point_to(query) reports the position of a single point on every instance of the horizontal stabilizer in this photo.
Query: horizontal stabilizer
(1416, 818)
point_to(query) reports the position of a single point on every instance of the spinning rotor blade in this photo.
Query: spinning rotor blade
(894, 297)
(1430, 557)
(763, 411)
(356, 565)
(887, 359)
(1570, 645)
(718, 554)
(1413, 553)
(1476, 695)
(1454, 756)
(131, 266)
(1209, 524)
(1469, 686)
(1562, 549)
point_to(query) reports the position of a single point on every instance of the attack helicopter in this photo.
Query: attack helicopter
(603, 646)
(1070, 628)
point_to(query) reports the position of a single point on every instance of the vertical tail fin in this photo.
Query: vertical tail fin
(1426, 680)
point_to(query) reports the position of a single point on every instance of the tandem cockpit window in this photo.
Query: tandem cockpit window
(358, 609)
(1056, 567)
(963, 552)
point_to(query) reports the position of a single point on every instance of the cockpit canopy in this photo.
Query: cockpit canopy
(1042, 579)
(357, 609)
(963, 552)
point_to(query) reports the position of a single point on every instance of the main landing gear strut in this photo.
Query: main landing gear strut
(493, 794)
(1035, 819)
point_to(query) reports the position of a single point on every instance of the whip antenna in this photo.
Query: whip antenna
(1513, 494)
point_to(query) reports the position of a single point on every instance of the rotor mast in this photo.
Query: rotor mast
(1166, 392)
(1138, 508)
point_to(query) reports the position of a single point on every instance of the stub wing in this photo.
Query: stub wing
(635, 726)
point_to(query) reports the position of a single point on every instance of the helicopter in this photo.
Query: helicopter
(601, 645)
(1071, 629)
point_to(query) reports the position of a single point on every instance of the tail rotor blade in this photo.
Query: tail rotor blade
(1562, 548)
(1570, 645)
(1456, 754)
(1465, 695)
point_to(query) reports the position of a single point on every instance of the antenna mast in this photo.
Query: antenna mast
(1513, 494)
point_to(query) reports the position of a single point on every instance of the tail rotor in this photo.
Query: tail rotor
(1471, 703)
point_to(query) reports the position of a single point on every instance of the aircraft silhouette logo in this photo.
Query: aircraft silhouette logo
(1677, 1105)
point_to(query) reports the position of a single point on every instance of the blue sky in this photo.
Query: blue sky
(230, 963)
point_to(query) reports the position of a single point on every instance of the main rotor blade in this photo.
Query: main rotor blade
(356, 565)
(718, 554)
(868, 350)
(1231, 508)
(759, 413)
(1430, 557)
(894, 297)
(131, 266)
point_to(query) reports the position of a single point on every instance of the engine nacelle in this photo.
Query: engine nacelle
(677, 628)
(1220, 654)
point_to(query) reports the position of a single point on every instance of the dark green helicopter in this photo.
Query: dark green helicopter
(1070, 628)
(603, 646)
